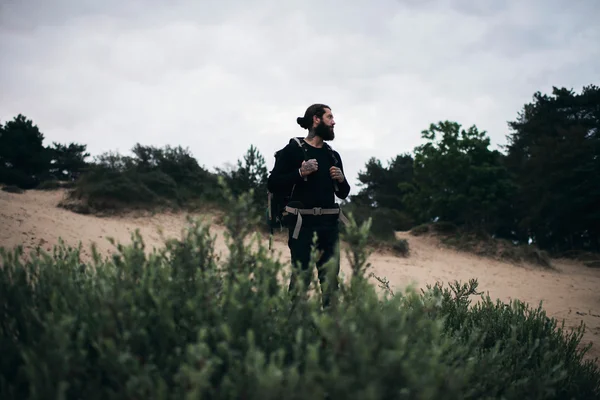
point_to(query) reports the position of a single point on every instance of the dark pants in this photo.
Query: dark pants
(300, 248)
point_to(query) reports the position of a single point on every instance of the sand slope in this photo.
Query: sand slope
(571, 293)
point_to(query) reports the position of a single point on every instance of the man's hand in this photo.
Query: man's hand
(336, 174)
(308, 167)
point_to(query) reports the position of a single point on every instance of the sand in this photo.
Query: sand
(571, 291)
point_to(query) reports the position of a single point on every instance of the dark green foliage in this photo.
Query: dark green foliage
(444, 227)
(12, 189)
(525, 346)
(68, 162)
(385, 187)
(400, 246)
(23, 158)
(25, 161)
(181, 323)
(482, 243)
(554, 153)
(250, 174)
(49, 185)
(382, 199)
(167, 176)
(420, 230)
(543, 190)
(385, 221)
(458, 179)
(497, 248)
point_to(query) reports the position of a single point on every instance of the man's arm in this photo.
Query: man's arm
(286, 171)
(343, 187)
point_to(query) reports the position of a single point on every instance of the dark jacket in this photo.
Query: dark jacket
(316, 189)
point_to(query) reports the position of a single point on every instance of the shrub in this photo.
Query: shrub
(536, 256)
(385, 222)
(419, 230)
(12, 189)
(502, 249)
(401, 247)
(168, 177)
(180, 322)
(444, 227)
(52, 184)
(592, 264)
(17, 178)
(115, 191)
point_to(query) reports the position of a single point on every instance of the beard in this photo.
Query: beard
(324, 132)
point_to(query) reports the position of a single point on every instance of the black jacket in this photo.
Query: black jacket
(316, 189)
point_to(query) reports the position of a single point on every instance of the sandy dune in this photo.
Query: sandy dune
(572, 292)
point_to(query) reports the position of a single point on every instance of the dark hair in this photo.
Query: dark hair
(314, 110)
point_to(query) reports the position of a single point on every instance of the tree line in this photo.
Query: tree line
(542, 189)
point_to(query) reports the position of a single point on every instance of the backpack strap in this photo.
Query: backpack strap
(311, 211)
(300, 142)
(332, 154)
(335, 163)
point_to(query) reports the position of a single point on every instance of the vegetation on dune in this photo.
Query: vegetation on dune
(483, 244)
(180, 323)
(540, 195)
(26, 163)
(152, 177)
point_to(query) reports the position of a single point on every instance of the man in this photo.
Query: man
(313, 174)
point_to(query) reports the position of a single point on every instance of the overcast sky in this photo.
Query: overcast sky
(218, 76)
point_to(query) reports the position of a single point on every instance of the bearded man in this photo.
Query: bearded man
(313, 173)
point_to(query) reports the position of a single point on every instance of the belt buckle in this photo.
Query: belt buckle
(317, 211)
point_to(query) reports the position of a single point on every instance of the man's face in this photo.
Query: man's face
(324, 127)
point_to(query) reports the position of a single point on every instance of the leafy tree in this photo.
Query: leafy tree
(251, 173)
(386, 186)
(554, 150)
(382, 196)
(24, 161)
(68, 162)
(113, 161)
(459, 179)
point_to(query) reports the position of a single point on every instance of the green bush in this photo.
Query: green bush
(484, 245)
(18, 178)
(104, 190)
(51, 184)
(444, 227)
(12, 189)
(401, 247)
(385, 222)
(153, 177)
(181, 323)
(420, 230)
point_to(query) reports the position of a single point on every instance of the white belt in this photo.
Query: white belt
(313, 211)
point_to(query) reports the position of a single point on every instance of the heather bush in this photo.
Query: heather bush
(184, 322)
(152, 177)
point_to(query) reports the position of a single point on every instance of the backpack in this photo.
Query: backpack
(277, 201)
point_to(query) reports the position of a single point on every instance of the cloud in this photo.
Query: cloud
(219, 76)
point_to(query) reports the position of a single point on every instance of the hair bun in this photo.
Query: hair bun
(300, 121)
